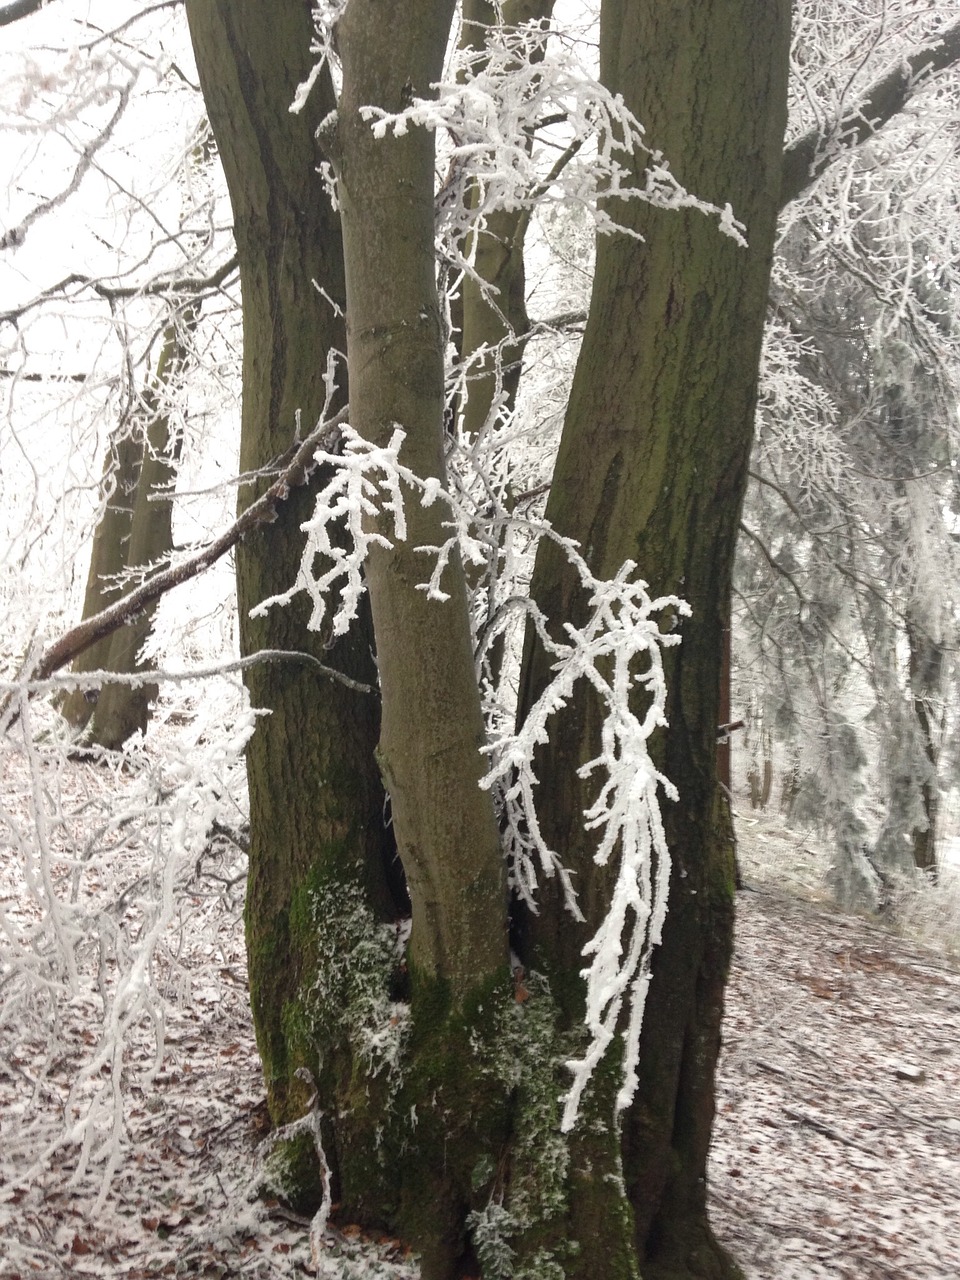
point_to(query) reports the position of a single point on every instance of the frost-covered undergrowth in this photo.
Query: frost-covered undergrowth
(838, 1135)
(131, 1100)
(800, 863)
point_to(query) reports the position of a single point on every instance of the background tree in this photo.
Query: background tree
(135, 532)
(846, 572)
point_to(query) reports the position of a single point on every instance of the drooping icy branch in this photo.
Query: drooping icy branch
(619, 652)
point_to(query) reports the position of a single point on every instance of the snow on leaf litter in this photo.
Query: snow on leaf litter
(837, 1150)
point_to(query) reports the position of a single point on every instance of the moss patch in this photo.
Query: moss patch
(354, 962)
(291, 1171)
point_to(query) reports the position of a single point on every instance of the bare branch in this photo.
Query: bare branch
(809, 156)
(16, 235)
(95, 679)
(114, 32)
(162, 288)
(18, 9)
(263, 511)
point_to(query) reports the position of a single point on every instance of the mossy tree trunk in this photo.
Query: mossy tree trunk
(316, 801)
(432, 727)
(652, 467)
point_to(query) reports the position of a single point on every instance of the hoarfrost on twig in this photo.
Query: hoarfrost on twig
(619, 651)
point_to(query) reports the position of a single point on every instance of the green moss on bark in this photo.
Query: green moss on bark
(292, 1173)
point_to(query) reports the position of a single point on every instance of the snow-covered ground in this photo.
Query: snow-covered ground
(837, 1151)
(950, 851)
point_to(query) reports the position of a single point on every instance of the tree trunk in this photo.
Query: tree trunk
(124, 709)
(108, 559)
(317, 828)
(411, 1126)
(432, 728)
(652, 467)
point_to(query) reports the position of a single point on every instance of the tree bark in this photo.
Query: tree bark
(108, 559)
(316, 801)
(432, 727)
(652, 466)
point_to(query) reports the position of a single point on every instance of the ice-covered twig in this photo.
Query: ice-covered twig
(309, 1123)
(366, 485)
(619, 652)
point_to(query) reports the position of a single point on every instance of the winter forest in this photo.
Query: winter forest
(480, 575)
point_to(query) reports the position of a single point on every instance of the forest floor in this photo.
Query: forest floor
(837, 1151)
(837, 1142)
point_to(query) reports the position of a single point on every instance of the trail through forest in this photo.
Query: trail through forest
(837, 1149)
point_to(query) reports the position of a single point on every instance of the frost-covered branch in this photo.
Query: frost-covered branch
(493, 108)
(807, 157)
(366, 483)
(16, 235)
(619, 652)
(494, 99)
(95, 924)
